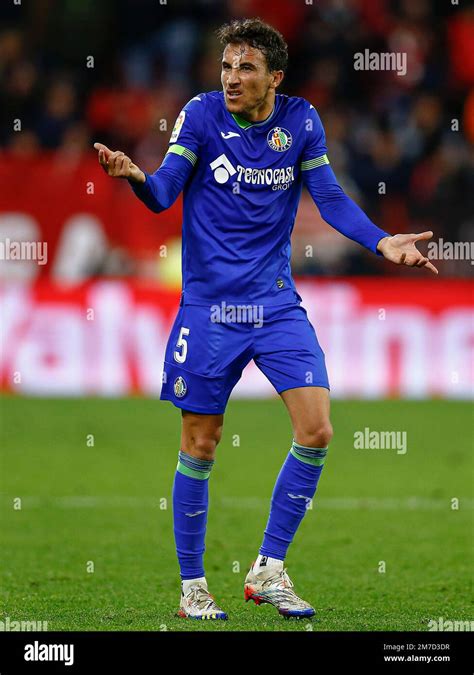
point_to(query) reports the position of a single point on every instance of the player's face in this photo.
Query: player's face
(249, 87)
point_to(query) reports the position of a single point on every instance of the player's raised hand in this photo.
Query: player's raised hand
(118, 165)
(401, 249)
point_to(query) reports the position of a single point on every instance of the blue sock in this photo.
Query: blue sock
(190, 504)
(294, 488)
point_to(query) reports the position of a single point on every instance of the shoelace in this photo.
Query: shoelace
(280, 579)
(283, 588)
(202, 598)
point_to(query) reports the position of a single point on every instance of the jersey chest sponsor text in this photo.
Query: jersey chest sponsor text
(280, 178)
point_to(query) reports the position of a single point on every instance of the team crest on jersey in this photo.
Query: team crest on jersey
(279, 139)
(180, 387)
(177, 126)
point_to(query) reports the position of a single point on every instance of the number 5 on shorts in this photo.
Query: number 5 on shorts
(180, 357)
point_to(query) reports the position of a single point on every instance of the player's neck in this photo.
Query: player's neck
(259, 114)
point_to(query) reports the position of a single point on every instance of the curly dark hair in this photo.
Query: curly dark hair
(259, 35)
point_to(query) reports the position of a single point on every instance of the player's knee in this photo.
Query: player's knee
(317, 436)
(204, 444)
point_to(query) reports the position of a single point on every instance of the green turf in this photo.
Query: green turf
(102, 504)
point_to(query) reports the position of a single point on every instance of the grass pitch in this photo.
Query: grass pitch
(92, 548)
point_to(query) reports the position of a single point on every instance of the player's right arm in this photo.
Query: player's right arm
(117, 164)
(161, 189)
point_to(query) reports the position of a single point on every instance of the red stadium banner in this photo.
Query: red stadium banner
(382, 337)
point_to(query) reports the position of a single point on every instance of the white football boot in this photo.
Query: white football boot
(198, 603)
(272, 585)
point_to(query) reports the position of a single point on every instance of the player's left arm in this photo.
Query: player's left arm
(342, 213)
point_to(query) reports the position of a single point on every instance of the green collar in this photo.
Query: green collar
(245, 124)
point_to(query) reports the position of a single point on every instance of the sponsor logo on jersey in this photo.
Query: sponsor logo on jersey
(278, 179)
(180, 387)
(223, 169)
(279, 139)
(177, 126)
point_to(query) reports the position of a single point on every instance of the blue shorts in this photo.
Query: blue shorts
(209, 347)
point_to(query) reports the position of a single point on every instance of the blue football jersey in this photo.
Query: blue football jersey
(242, 184)
(241, 199)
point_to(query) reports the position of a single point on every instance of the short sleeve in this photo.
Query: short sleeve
(187, 135)
(315, 150)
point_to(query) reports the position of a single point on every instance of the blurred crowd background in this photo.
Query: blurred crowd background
(414, 133)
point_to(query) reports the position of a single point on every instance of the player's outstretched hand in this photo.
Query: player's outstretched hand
(118, 165)
(401, 249)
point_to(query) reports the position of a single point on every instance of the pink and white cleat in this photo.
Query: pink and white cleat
(198, 603)
(272, 585)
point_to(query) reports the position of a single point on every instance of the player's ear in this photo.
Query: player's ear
(278, 76)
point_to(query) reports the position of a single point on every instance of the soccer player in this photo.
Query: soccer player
(241, 156)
